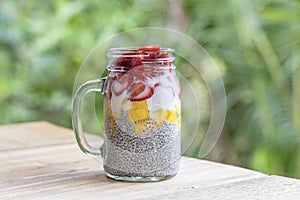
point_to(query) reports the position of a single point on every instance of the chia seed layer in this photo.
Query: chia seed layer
(154, 153)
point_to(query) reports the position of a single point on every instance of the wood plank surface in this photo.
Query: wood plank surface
(40, 160)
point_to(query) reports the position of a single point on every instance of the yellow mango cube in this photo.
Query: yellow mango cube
(173, 116)
(177, 108)
(170, 115)
(135, 105)
(138, 114)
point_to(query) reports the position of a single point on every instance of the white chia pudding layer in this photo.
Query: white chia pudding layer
(154, 153)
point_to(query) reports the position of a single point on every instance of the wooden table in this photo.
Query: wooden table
(40, 160)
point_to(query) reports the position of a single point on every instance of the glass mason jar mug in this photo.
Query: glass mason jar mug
(142, 115)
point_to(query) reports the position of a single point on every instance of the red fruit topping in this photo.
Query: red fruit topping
(157, 84)
(158, 55)
(139, 91)
(128, 62)
(150, 48)
(153, 55)
(121, 84)
(165, 55)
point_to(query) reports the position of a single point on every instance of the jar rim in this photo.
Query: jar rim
(126, 56)
(134, 51)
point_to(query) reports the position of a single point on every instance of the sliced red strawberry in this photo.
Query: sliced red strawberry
(157, 84)
(122, 83)
(153, 55)
(139, 91)
(128, 62)
(158, 55)
(165, 55)
(150, 48)
(152, 52)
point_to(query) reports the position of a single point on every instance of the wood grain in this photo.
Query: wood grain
(42, 161)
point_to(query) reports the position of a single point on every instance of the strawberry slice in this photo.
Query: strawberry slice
(165, 55)
(139, 91)
(153, 51)
(128, 62)
(157, 55)
(157, 84)
(150, 48)
(153, 55)
(122, 83)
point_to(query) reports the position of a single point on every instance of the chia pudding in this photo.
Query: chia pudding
(142, 115)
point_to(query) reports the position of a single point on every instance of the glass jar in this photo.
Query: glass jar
(142, 115)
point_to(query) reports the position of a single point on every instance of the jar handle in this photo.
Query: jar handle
(87, 87)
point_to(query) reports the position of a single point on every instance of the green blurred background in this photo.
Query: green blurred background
(257, 43)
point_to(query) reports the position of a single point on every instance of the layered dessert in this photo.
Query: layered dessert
(142, 115)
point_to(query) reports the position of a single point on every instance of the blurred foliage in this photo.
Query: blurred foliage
(257, 44)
